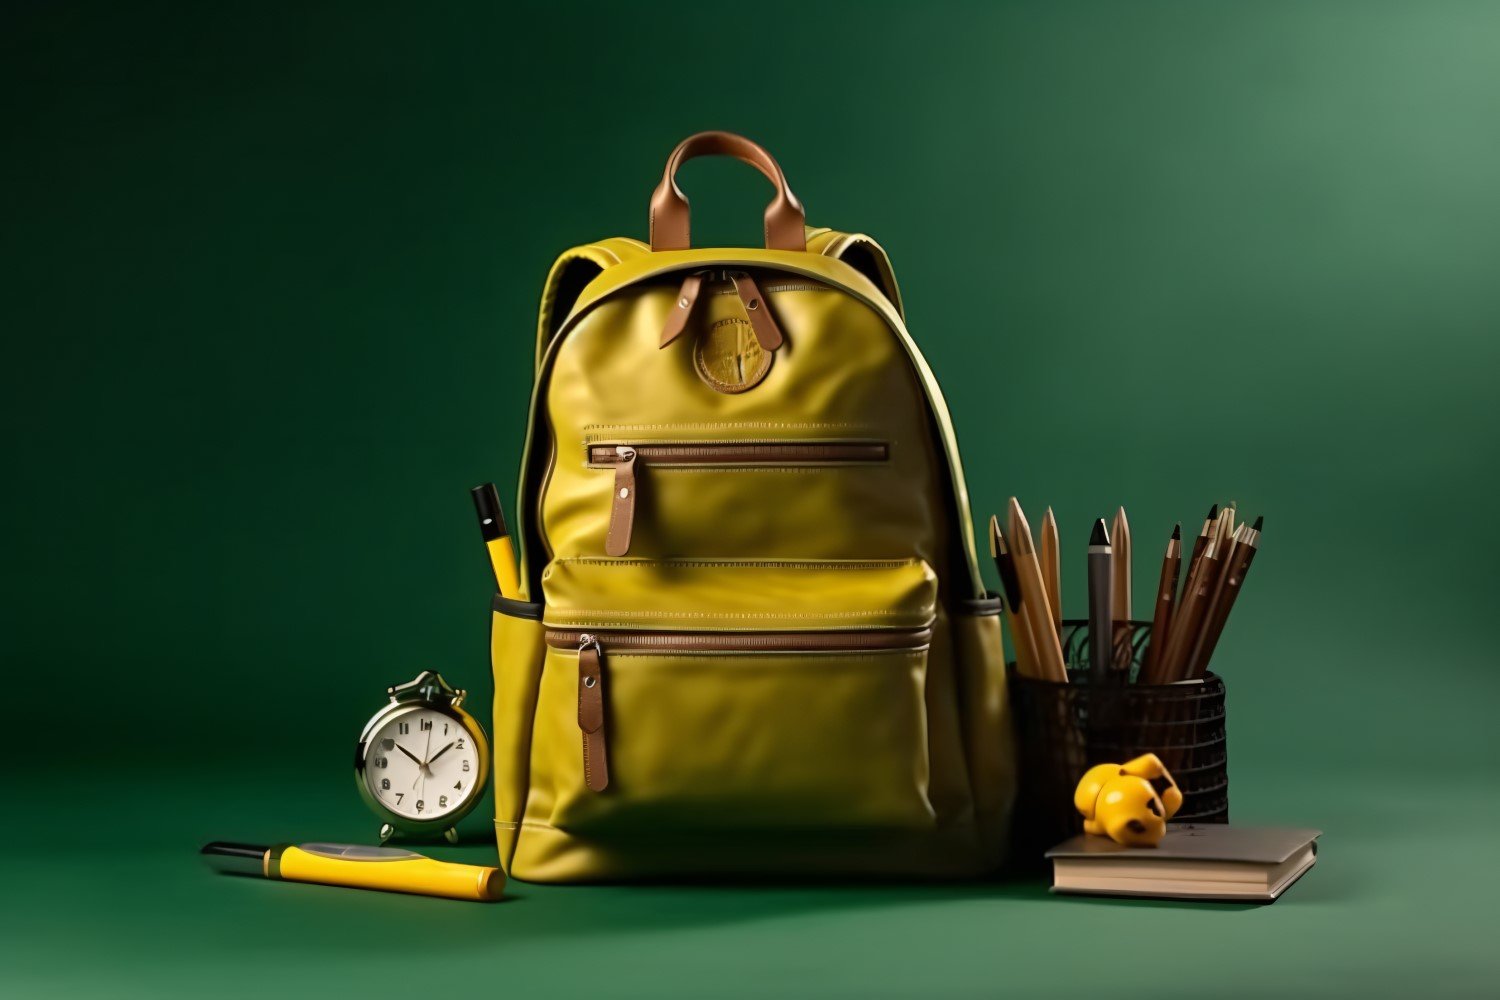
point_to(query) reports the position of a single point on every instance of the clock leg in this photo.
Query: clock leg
(386, 832)
(451, 835)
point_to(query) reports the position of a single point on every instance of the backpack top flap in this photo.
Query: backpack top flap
(576, 267)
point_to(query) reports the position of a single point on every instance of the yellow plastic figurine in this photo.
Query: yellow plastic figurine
(1129, 803)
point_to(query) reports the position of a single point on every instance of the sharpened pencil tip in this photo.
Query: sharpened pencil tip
(1258, 522)
(1213, 512)
(1177, 531)
(1100, 534)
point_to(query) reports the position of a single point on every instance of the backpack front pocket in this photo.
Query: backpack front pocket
(782, 712)
(629, 461)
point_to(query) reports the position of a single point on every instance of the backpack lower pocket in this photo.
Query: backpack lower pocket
(775, 715)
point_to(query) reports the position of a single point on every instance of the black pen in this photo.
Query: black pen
(1101, 604)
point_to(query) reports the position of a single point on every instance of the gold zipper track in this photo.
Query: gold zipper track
(736, 642)
(749, 453)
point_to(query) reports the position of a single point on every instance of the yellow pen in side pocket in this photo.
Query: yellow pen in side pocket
(358, 867)
(497, 540)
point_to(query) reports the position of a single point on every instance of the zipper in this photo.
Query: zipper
(853, 641)
(590, 647)
(591, 712)
(757, 311)
(622, 501)
(623, 458)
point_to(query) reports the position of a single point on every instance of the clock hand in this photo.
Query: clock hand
(409, 754)
(439, 754)
(427, 749)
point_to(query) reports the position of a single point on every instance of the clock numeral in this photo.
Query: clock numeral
(460, 744)
(385, 784)
(442, 802)
(420, 803)
(459, 785)
(445, 729)
(466, 765)
(399, 796)
(381, 762)
(426, 724)
(402, 728)
(387, 745)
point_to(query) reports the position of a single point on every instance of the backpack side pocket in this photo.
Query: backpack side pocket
(516, 655)
(985, 706)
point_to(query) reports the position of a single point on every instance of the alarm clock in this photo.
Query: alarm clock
(422, 761)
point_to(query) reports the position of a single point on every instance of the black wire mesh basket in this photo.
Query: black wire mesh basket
(1064, 729)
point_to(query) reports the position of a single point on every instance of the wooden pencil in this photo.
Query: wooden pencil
(1210, 534)
(1189, 617)
(1200, 542)
(1034, 595)
(1166, 601)
(1020, 628)
(1226, 529)
(1052, 568)
(1247, 543)
(1120, 612)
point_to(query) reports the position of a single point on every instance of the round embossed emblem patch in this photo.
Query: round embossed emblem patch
(729, 358)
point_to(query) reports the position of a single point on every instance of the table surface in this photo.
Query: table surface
(111, 900)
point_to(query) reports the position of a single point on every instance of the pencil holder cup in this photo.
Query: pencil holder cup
(1064, 729)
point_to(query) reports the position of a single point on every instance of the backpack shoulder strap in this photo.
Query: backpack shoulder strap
(861, 253)
(570, 273)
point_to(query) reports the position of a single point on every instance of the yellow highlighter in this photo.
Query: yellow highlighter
(497, 540)
(358, 867)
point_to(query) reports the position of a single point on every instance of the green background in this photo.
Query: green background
(269, 279)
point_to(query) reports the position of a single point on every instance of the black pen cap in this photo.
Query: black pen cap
(487, 506)
(1100, 535)
(235, 859)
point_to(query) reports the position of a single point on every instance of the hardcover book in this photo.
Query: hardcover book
(1204, 861)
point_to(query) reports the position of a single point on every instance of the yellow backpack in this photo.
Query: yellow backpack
(752, 636)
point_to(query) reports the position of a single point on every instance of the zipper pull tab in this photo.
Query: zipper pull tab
(591, 713)
(622, 505)
(756, 310)
(682, 309)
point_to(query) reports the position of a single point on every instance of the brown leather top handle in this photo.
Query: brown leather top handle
(670, 226)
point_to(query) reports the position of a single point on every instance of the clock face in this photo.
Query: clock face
(422, 765)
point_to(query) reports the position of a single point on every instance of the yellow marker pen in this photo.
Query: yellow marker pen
(358, 867)
(497, 540)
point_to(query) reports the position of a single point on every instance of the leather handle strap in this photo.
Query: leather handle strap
(670, 220)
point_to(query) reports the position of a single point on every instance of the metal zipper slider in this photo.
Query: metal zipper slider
(591, 712)
(682, 309)
(622, 504)
(757, 311)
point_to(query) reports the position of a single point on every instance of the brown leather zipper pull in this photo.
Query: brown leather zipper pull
(756, 310)
(682, 309)
(591, 713)
(622, 505)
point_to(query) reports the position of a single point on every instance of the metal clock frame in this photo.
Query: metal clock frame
(428, 691)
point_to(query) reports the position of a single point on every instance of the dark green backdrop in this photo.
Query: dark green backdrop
(269, 279)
